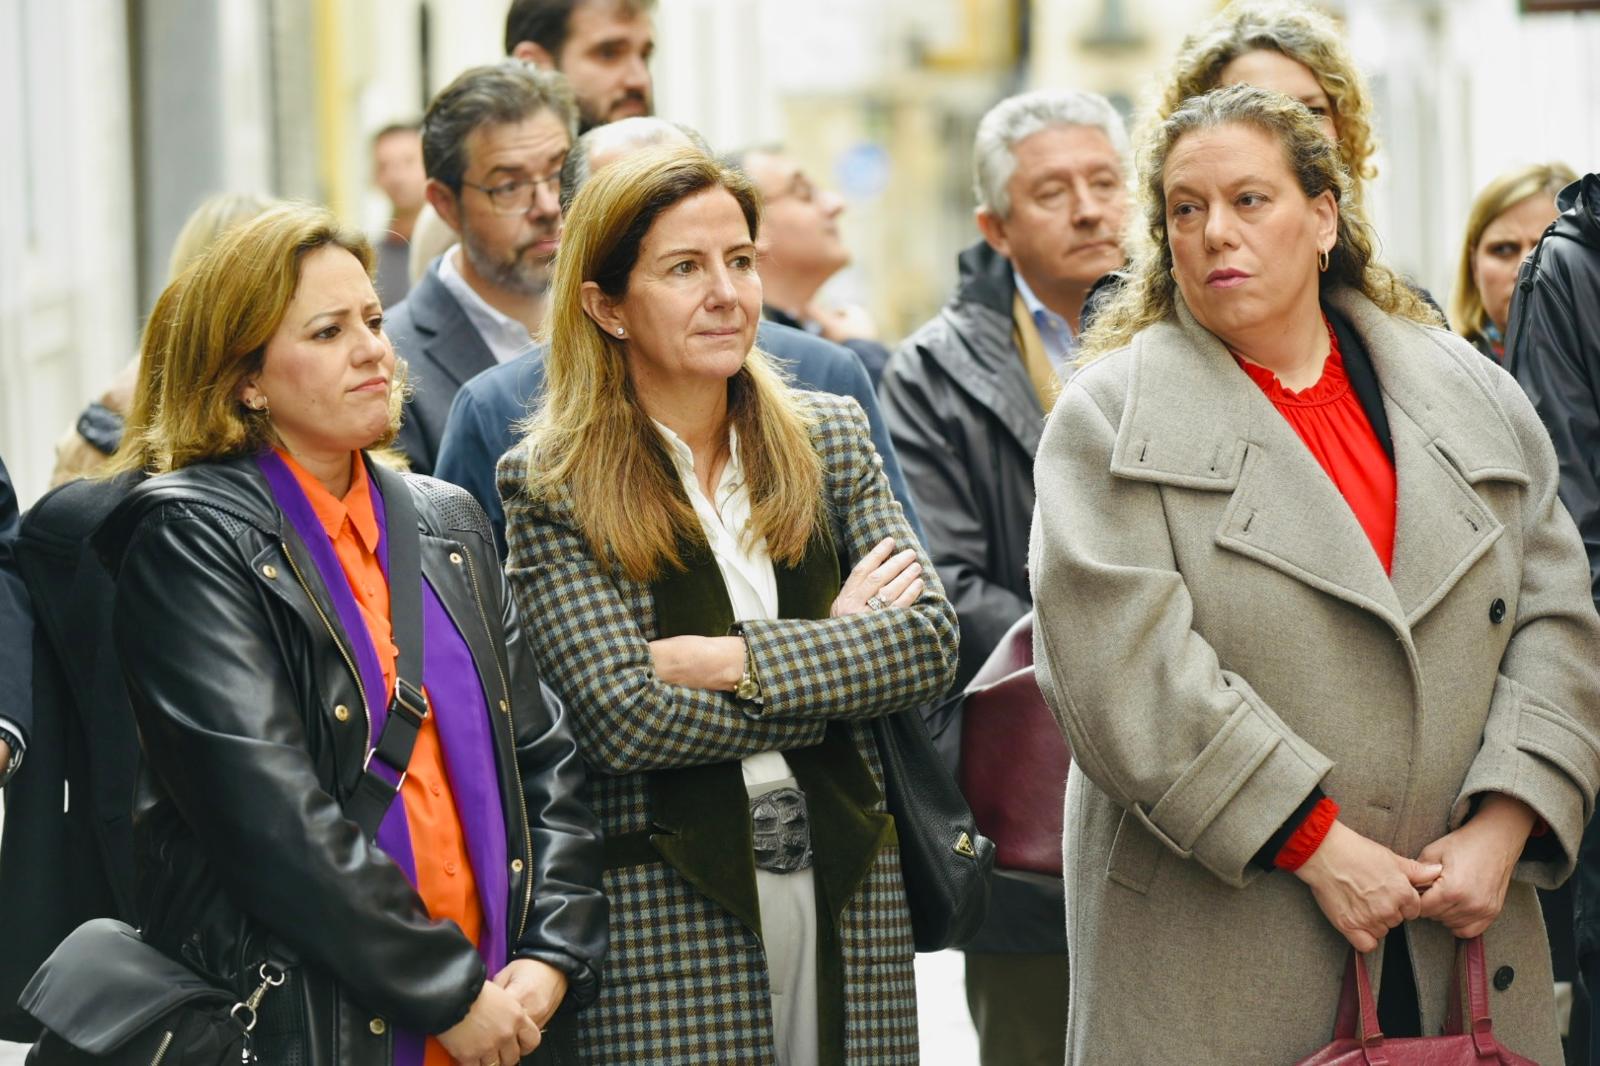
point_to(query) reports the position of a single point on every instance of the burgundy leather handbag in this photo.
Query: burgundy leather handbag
(1357, 1041)
(1014, 760)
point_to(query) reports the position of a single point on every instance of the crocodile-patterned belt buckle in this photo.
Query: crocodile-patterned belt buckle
(781, 830)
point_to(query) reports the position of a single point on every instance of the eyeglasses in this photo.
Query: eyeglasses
(516, 197)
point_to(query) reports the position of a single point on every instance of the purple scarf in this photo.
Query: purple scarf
(461, 713)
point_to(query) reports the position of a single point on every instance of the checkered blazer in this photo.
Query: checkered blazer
(686, 981)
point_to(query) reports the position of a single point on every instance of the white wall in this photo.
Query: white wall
(67, 314)
(1467, 89)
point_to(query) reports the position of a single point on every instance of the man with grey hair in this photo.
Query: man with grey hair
(493, 143)
(488, 409)
(606, 144)
(966, 397)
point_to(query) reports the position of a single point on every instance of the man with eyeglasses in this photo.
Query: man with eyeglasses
(493, 142)
(801, 248)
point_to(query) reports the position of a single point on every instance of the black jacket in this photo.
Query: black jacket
(1553, 347)
(965, 421)
(16, 619)
(242, 692)
(62, 864)
(443, 351)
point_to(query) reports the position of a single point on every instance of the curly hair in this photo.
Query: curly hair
(1299, 32)
(1150, 294)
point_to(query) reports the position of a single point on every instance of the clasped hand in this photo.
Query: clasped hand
(1459, 880)
(506, 1020)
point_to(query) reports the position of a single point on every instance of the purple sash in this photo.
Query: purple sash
(461, 714)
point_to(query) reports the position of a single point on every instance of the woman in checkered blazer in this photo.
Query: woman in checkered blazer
(679, 521)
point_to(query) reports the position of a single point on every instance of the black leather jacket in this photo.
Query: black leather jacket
(1553, 347)
(254, 731)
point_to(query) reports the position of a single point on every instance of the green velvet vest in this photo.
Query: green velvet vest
(700, 815)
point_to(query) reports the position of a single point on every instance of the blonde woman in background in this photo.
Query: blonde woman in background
(1293, 48)
(1506, 221)
(84, 448)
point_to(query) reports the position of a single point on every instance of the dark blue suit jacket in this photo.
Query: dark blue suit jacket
(483, 419)
(16, 619)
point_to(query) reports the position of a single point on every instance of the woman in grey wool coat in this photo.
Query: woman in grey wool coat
(1314, 621)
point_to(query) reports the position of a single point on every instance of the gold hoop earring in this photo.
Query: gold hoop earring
(1322, 261)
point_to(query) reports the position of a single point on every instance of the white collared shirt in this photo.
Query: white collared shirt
(1054, 331)
(745, 565)
(505, 337)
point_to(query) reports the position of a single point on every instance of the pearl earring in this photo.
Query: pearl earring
(621, 331)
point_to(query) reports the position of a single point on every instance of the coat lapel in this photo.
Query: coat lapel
(1195, 420)
(446, 337)
(1442, 526)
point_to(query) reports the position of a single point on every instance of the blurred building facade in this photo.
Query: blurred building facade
(123, 116)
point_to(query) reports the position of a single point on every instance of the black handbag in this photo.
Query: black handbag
(125, 1003)
(107, 998)
(944, 860)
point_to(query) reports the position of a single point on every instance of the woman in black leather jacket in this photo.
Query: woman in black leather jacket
(253, 624)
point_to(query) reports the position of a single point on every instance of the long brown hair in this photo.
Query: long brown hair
(1300, 33)
(208, 334)
(591, 438)
(1150, 294)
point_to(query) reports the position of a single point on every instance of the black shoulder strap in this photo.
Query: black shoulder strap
(375, 791)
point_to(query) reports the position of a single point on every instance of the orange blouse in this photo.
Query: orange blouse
(445, 880)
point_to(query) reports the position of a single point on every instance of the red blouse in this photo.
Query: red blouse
(1329, 419)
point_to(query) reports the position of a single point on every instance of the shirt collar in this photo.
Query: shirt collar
(683, 458)
(1054, 330)
(1035, 306)
(332, 512)
(506, 337)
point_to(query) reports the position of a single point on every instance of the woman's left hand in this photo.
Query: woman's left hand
(538, 986)
(1478, 860)
(715, 663)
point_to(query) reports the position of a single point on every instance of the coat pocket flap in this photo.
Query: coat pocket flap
(104, 984)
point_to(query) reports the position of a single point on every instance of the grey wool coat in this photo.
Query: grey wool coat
(1217, 636)
(686, 980)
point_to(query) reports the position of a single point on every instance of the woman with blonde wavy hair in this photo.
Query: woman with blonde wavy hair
(679, 519)
(1508, 217)
(1289, 46)
(330, 826)
(1314, 621)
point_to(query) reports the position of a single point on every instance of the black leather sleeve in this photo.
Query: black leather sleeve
(1554, 350)
(567, 919)
(224, 735)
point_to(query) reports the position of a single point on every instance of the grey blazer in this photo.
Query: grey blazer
(443, 351)
(1217, 636)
